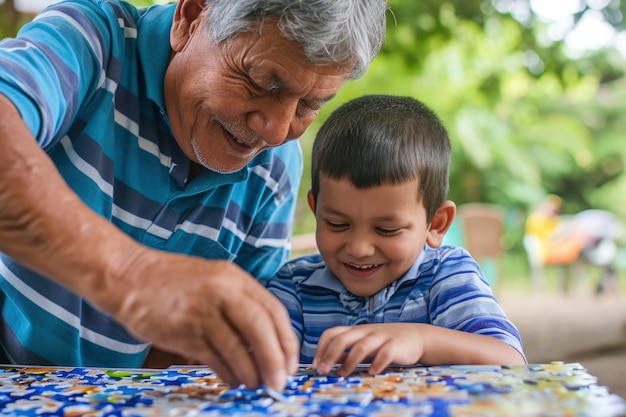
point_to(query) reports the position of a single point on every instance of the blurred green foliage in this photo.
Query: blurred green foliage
(525, 119)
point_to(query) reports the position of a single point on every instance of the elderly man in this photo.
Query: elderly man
(149, 175)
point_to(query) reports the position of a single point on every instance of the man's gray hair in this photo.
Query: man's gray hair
(330, 31)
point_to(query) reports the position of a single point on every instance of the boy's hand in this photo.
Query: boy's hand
(351, 345)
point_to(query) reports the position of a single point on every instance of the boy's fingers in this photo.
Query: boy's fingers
(335, 347)
(359, 352)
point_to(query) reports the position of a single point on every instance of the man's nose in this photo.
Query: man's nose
(276, 121)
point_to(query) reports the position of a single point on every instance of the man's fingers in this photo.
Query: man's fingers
(201, 352)
(243, 332)
(265, 330)
(263, 340)
(222, 368)
(234, 357)
(286, 335)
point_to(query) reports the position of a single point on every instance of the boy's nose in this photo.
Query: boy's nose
(360, 247)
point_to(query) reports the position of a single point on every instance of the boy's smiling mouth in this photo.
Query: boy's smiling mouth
(362, 271)
(362, 267)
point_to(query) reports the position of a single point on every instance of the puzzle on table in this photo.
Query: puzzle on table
(556, 389)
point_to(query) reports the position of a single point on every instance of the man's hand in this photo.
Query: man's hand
(209, 311)
(212, 312)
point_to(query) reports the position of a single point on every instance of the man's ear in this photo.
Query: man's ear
(186, 19)
(311, 200)
(440, 224)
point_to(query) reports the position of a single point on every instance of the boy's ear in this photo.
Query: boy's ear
(440, 224)
(310, 198)
(186, 19)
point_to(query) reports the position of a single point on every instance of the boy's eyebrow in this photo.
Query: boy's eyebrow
(390, 220)
(330, 210)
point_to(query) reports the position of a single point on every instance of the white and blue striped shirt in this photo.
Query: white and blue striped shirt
(444, 287)
(87, 78)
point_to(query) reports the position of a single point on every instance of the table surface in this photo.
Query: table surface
(555, 389)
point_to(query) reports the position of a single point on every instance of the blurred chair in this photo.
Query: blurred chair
(482, 226)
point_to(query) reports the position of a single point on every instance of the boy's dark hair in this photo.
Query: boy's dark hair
(382, 139)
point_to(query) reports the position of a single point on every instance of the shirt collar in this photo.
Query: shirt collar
(153, 28)
(325, 279)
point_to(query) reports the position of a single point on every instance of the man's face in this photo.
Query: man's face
(229, 102)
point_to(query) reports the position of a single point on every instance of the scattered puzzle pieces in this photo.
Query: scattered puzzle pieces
(556, 389)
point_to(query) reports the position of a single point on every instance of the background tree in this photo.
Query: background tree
(525, 117)
(529, 111)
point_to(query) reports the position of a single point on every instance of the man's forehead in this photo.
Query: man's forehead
(279, 62)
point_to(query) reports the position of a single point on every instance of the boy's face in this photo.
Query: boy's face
(369, 238)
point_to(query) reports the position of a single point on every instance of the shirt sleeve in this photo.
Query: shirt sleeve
(56, 62)
(284, 288)
(461, 299)
(268, 244)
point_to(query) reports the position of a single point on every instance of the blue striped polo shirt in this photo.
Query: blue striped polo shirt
(444, 287)
(87, 78)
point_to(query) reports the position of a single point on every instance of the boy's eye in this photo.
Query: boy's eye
(387, 232)
(336, 225)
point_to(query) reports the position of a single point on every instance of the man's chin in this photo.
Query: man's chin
(220, 167)
(215, 166)
(221, 170)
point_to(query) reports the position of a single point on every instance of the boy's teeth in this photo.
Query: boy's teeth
(362, 267)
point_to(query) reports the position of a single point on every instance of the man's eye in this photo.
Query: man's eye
(257, 91)
(308, 108)
(305, 112)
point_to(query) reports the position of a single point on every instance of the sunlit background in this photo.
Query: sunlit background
(532, 92)
(534, 96)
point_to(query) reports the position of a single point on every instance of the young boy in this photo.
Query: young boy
(382, 288)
